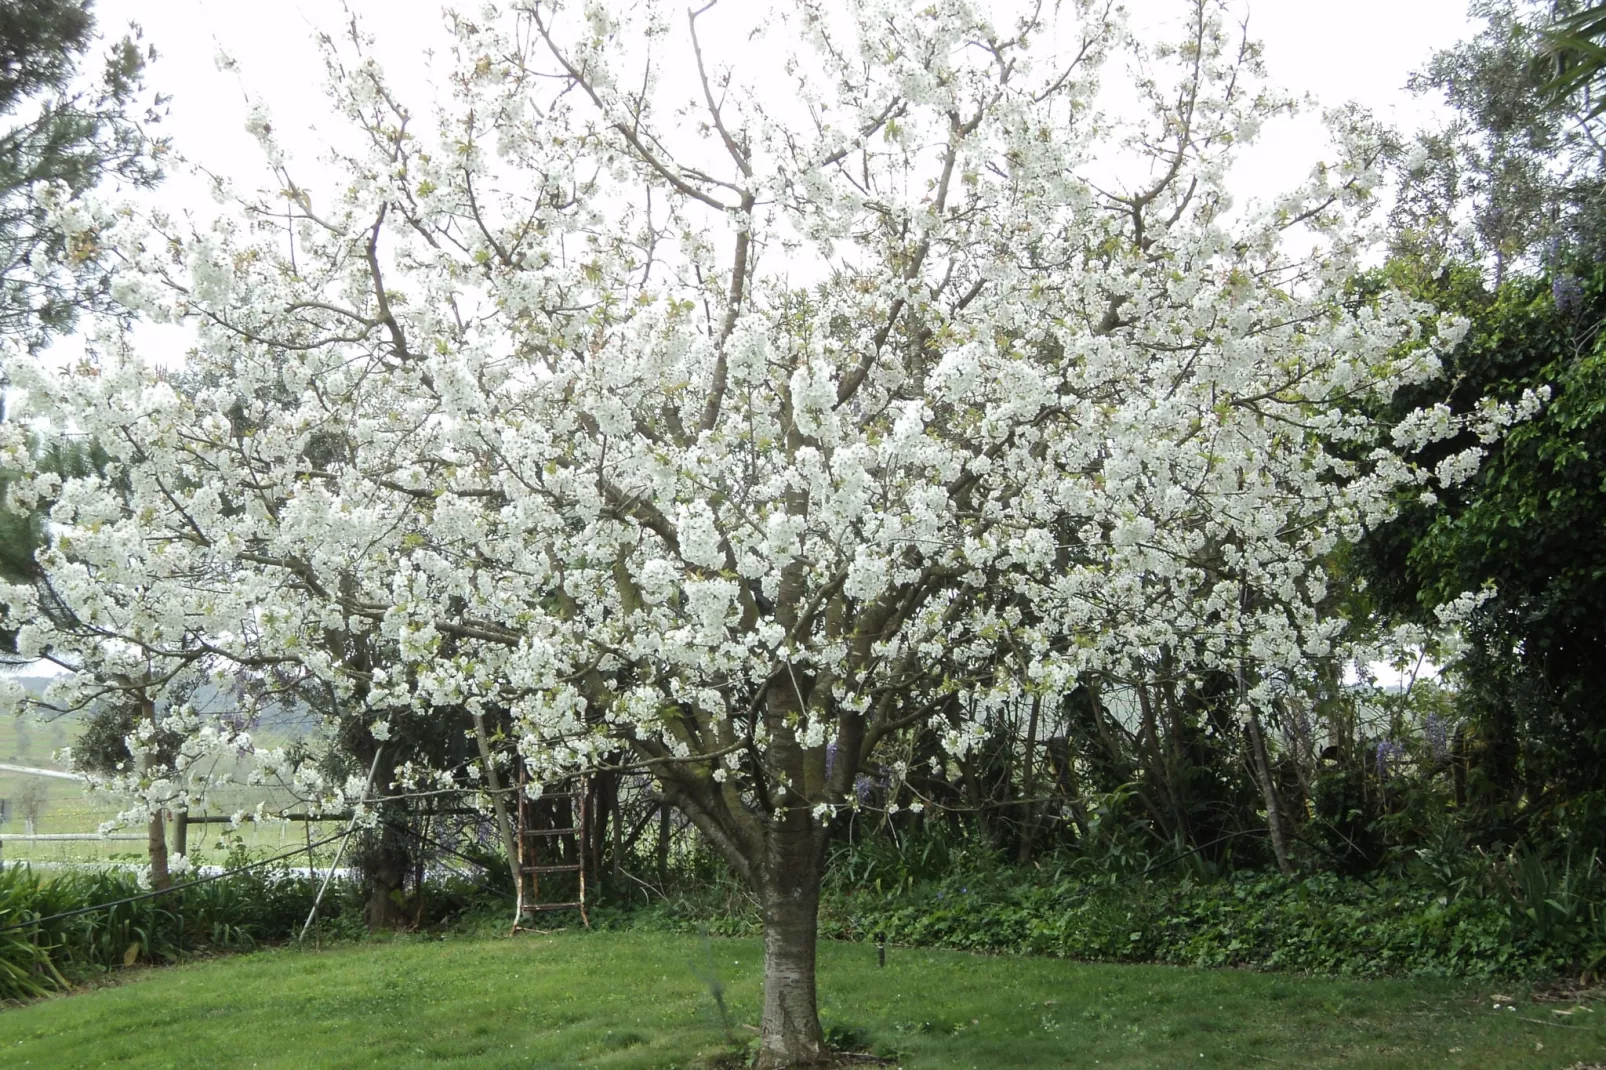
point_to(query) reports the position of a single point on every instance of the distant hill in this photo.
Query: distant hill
(280, 720)
(33, 683)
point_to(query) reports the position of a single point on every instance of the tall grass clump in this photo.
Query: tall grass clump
(61, 928)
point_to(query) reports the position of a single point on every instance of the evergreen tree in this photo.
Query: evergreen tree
(61, 135)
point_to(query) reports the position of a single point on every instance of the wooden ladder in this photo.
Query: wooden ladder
(540, 848)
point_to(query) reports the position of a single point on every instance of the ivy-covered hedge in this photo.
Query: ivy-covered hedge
(1322, 923)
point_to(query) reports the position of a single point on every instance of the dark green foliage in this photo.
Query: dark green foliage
(239, 912)
(101, 745)
(1322, 924)
(1522, 162)
(1455, 913)
(1528, 525)
(1346, 818)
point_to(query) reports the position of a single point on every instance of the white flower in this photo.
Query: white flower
(658, 579)
(1462, 606)
(699, 539)
(867, 575)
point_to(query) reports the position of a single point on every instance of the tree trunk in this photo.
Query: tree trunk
(387, 874)
(970, 778)
(597, 814)
(1268, 787)
(504, 827)
(789, 1031)
(1162, 773)
(420, 871)
(616, 854)
(156, 830)
(663, 846)
(156, 840)
(1028, 824)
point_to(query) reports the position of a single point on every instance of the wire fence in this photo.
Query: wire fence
(177, 887)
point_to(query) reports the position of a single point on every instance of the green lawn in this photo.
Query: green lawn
(636, 1000)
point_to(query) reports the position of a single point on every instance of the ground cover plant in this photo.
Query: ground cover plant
(1525, 918)
(1531, 922)
(644, 1000)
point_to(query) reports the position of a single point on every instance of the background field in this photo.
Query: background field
(64, 806)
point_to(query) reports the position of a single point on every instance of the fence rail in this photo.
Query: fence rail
(33, 770)
(70, 836)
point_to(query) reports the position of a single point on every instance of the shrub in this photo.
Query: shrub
(41, 951)
(1519, 917)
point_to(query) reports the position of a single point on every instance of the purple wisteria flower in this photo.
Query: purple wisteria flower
(1437, 732)
(1567, 291)
(1387, 751)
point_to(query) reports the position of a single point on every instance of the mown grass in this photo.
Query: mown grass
(642, 1000)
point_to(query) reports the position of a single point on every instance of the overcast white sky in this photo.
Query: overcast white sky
(1361, 50)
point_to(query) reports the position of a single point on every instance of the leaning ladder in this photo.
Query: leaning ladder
(539, 850)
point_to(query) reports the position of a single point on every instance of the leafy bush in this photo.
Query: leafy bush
(238, 912)
(1545, 923)
(1453, 913)
(25, 967)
